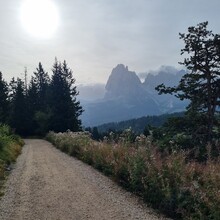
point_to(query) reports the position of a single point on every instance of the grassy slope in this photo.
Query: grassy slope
(181, 189)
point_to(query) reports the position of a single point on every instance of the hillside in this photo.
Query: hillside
(138, 124)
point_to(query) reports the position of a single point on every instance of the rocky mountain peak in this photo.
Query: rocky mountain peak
(122, 83)
(126, 97)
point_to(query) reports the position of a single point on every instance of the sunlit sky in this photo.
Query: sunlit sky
(93, 36)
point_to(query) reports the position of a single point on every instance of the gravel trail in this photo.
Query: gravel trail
(48, 184)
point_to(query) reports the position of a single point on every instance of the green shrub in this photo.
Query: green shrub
(169, 182)
(10, 148)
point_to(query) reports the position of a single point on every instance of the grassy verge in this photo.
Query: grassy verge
(179, 188)
(10, 148)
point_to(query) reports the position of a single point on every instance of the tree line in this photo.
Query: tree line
(45, 103)
(138, 125)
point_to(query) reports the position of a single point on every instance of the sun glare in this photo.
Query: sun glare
(40, 18)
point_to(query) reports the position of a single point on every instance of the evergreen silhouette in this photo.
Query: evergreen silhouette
(32, 106)
(65, 109)
(4, 104)
(43, 104)
(18, 110)
(201, 85)
(41, 80)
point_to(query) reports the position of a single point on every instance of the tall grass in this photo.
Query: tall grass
(10, 148)
(179, 188)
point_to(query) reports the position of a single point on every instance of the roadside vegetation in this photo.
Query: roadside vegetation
(10, 148)
(169, 182)
(175, 167)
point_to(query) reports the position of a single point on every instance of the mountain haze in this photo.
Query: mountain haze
(126, 97)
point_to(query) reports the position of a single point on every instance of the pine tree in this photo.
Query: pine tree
(95, 134)
(40, 84)
(32, 106)
(41, 80)
(201, 85)
(4, 104)
(18, 111)
(65, 109)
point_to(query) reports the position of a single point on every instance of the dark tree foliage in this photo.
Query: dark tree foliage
(18, 110)
(4, 103)
(146, 131)
(41, 80)
(201, 85)
(32, 107)
(43, 104)
(65, 109)
(137, 125)
(40, 85)
(95, 134)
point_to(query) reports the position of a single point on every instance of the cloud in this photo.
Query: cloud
(91, 92)
(96, 35)
(162, 69)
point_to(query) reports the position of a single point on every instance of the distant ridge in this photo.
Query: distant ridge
(126, 97)
(138, 125)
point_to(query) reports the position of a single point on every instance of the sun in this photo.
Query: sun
(40, 18)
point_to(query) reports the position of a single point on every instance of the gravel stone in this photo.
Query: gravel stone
(47, 184)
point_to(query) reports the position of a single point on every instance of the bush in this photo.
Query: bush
(10, 148)
(178, 187)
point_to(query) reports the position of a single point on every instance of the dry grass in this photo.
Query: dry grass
(181, 189)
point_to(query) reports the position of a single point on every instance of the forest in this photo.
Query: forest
(137, 125)
(45, 103)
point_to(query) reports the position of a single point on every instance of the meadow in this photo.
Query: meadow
(179, 187)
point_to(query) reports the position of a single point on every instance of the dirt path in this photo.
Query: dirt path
(48, 184)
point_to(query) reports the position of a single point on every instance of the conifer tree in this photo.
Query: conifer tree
(41, 115)
(4, 104)
(32, 106)
(201, 85)
(65, 109)
(18, 116)
(41, 80)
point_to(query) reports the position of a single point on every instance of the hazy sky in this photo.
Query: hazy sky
(95, 35)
